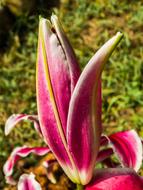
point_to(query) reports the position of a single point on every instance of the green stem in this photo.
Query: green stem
(79, 187)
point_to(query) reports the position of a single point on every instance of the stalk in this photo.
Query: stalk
(79, 187)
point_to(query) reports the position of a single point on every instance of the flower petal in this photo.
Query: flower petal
(16, 118)
(128, 147)
(56, 68)
(74, 68)
(21, 152)
(53, 94)
(115, 179)
(28, 182)
(84, 118)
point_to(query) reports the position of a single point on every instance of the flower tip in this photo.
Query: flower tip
(8, 126)
(6, 132)
(42, 20)
(45, 22)
(40, 17)
(55, 21)
(119, 34)
(116, 39)
(54, 17)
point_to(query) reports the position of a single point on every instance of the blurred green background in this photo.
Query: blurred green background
(88, 24)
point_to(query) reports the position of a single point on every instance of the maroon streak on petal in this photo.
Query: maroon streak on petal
(68, 51)
(21, 152)
(16, 118)
(115, 179)
(84, 118)
(103, 154)
(28, 182)
(128, 147)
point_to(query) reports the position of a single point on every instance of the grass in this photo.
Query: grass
(88, 25)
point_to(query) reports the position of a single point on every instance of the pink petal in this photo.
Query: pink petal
(60, 66)
(128, 147)
(53, 94)
(21, 152)
(16, 118)
(115, 179)
(84, 118)
(68, 50)
(28, 182)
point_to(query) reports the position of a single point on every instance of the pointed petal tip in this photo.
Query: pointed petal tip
(6, 132)
(41, 19)
(45, 23)
(119, 35)
(56, 24)
(14, 119)
(116, 39)
(54, 17)
(9, 124)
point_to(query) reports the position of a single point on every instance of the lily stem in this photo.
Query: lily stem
(79, 187)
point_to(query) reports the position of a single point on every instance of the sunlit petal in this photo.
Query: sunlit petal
(17, 154)
(16, 118)
(84, 119)
(128, 147)
(68, 50)
(53, 94)
(115, 179)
